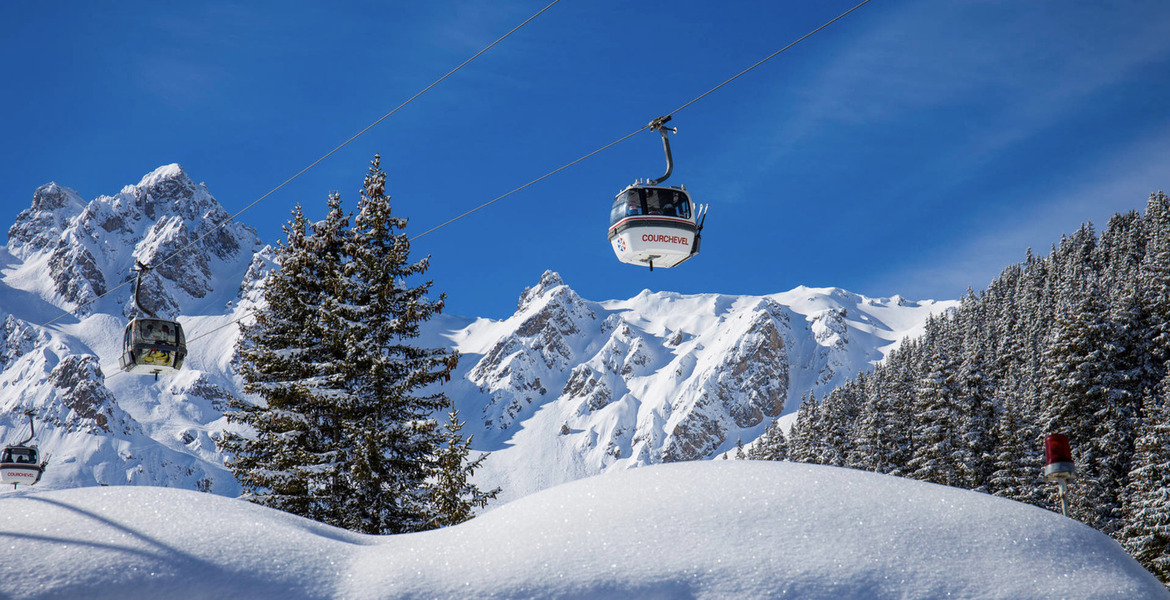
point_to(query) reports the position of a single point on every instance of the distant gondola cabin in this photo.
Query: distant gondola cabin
(20, 465)
(153, 346)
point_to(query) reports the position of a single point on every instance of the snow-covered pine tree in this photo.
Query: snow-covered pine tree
(347, 433)
(454, 497)
(802, 437)
(977, 411)
(877, 438)
(1154, 283)
(390, 436)
(770, 446)
(1018, 450)
(901, 380)
(1146, 510)
(936, 409)
(835, 420)
(290, 461)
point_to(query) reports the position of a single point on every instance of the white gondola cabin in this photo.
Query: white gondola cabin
(654, 226)
(153, 346)
(20, 465)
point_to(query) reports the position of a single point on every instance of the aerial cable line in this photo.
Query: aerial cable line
(768, 57)
(231, 218)
(538, 179)
(650, 125)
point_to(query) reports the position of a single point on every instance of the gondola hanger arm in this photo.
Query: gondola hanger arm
(659, 125)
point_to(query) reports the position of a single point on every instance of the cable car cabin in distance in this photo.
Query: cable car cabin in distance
(153, 346)
(655, 226)
(20, 464)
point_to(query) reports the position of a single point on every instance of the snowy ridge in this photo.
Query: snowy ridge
(734, 529)
(565, 388)
(577, 387)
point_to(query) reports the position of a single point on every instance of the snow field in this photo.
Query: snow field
(711, 529)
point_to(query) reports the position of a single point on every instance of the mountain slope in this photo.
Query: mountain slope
(564, 388)
(567, 388)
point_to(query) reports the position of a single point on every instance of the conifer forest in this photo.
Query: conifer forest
(1075, 342)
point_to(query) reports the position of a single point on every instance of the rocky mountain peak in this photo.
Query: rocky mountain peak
(42, 223)
(551, 322)
(548, 281)
(169, 191)
(50, 197)
(166, 221)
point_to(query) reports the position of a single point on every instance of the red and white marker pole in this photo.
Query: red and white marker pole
(1058, 465)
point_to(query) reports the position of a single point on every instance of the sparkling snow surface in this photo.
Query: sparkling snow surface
(714, 529)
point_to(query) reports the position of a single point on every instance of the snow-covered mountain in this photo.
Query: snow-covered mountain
(65, 299)
(567, 388)
(564, 388)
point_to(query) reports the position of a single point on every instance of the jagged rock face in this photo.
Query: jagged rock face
(40, 226)
(829, 327)
(831, 333)
(589, 386)
(584, 387)
(747, 383)
(48, 226)
(550, 321)
(19, 339)
(752, 380)
(85, 404)
(252, 286)
(90, 247)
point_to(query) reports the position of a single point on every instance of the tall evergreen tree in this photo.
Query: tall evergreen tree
(350, 402)
(937, 408)
(803, 437)
(453, 495)
(1154, 283)
(876, 439)
(289, 463)
(1018, 451)
(976, 411)
(390, 434)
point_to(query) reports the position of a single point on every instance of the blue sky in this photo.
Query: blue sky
(914, 148)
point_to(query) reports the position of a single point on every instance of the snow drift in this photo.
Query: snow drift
(712, 529)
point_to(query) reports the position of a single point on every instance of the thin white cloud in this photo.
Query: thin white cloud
(1005, 72)
(1119, 185)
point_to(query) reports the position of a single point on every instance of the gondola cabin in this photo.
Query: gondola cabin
(153, 346)
(654, 226)
(20, 465)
